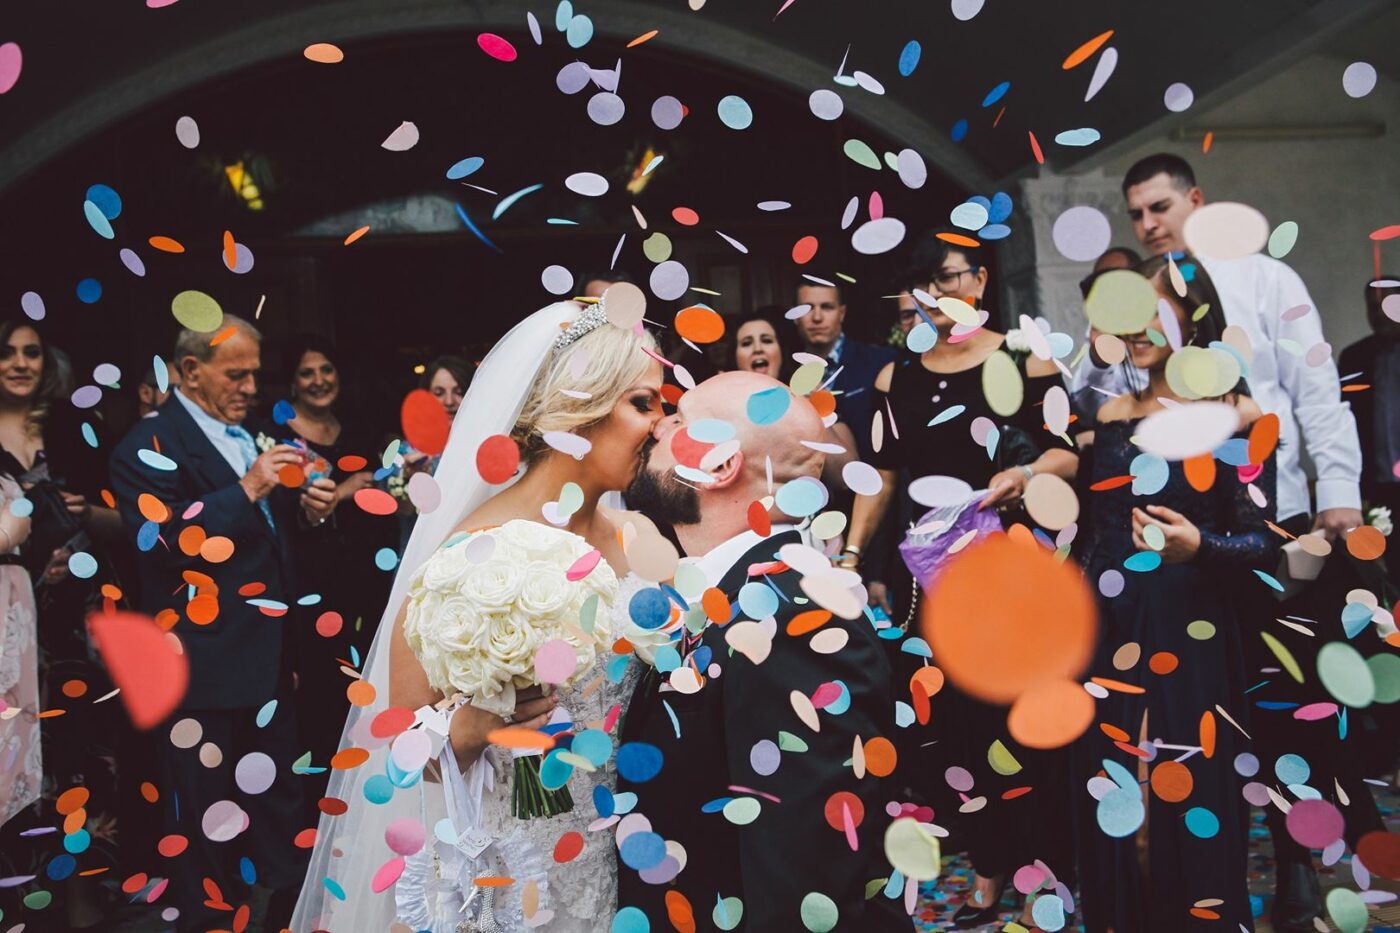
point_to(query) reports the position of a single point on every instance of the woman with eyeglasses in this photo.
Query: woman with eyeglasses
(940, 418)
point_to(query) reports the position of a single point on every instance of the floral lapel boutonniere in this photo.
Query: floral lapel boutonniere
(264, 443)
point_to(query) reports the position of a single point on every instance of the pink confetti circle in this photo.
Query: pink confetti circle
(405, 836)
(387, 874)
(496, 47)
(1315, 823)
(555, 661)
(11, 61)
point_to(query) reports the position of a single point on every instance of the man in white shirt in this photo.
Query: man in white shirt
(1265, 298)
(1257, 291)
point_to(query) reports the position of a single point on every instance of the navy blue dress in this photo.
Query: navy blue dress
(1185, 669)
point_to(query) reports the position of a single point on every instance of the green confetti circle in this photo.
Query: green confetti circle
(1201, 630)
(861, 154)
(1347, 910)
(1002, 385)
(657, 247)
(741, 811)
(1385, 671)
(197, 311)
(1121, 302)
(819, 913)
(728, 913)
(38, 900)
(1345, 674)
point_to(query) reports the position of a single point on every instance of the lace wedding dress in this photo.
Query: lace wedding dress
(438, 889)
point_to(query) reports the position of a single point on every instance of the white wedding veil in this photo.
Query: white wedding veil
(350, 847)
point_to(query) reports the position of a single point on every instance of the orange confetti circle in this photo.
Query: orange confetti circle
(679, 912)
(823, 401)
(929, 679)
(360, 693)
(716, 605)
(1050, 714)
(351, 463)
(1365, 542)
(1172, 781)
(376, 501)
(356, 235)
(1380, 852)
(149, 792)
(166, 244)
(391, 722)
(1263, 438)
(217, 549)
(685, 216)
(808, 621)
(152, 509)
(425, 422)
(880, 756)
(1163, 662)
(348, 758)
(305, 839)
(172, 845)
(804, 250)
(203, 609)
(191, 539)
(111, 591)
(1113, 732)
(324, 53)
(332, 806)
(73, 689)
(1007, 617)
(1208, 734)
(291, 475)
(134, 883)
(1085, 51)
(699, 324)
(957, 239)
(74, 821)
(74, 798)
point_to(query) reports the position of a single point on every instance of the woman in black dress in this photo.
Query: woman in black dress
(335, 560)
(945, 385)
(53, 450)
(1170, 855)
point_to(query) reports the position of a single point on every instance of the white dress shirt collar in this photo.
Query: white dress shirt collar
(722, 557)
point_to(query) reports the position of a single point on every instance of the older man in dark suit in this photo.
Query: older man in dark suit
(211, 485)
(750, 734)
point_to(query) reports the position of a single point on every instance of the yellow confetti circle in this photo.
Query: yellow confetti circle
(197, 311)
(1121, 302)
(1002, 384)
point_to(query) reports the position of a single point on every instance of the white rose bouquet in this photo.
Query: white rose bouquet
(481, 608)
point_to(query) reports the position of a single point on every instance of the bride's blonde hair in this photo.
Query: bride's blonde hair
(615, 362)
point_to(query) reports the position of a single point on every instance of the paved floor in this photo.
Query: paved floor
(944, 897)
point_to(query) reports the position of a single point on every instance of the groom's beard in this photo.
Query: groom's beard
(660, 496)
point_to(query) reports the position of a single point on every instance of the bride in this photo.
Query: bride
(563, 369)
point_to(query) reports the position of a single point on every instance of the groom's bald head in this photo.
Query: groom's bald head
(716, 483)
(726, 398)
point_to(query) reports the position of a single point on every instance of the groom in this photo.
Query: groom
(781, 848)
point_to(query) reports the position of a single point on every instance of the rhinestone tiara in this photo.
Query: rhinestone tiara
(593, 317)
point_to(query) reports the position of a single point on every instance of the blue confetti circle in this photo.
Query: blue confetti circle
(89, 290)
(909, 57)
(21, 508)
(82, 565)
(642, 850)
(247, 870)
(630, 920)
(959, 132)
(735, 112)
(649, 608)
(1202, 823)
(282, 412)
(638, 762)
(769, 405)
(378, 789)
(603, 801)
(146, 536)
(1292, 769)
(60, 867)
(996, 93)
(757, 600)
(106, 200)
(77, 842)
(386, 558)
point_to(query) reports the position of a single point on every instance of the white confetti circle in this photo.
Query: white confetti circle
(1178, 97)
(1082, 234)
(1359, 79)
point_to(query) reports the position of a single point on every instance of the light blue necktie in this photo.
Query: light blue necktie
(250, 453)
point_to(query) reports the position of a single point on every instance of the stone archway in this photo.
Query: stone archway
(286, 35)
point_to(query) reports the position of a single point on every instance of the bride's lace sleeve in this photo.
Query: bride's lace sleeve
(1248, 540)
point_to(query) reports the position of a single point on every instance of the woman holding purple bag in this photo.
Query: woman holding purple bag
(937, 421)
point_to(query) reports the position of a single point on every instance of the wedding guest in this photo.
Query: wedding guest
(447, 377)
(1376, 358)
(1005, 835)
(334, 560)
(237, 658)
(21, 774)
(45, 452)
(907, 315)
(1259, 293)
(1148, 872)
(763, 340)
(149, 395)
(854, 364)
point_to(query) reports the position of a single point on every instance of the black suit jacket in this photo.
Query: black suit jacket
(855, 385)
(237, 660)
(789, 850)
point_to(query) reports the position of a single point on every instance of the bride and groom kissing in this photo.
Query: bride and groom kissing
(704, 727)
